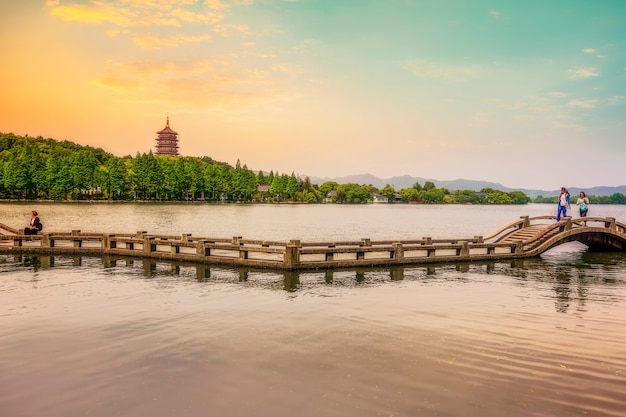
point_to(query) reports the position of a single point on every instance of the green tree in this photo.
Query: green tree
(278, 187)
(432, 195)
(499, 197)
(428, 185)
(244, 182)
(410, 194)
(617, 198)
(518, 197)
(82, 169)
(327, 187)
(292, 186)
(148, 176)
(353, 194)
(466, 197)
(58, 174)
(115, 177)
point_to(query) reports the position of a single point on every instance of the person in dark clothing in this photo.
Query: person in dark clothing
(34, 226)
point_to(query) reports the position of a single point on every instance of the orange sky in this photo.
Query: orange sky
(495, 91)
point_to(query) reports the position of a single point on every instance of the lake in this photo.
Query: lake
(87, 336)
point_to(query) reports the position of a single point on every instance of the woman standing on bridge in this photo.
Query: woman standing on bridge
(563, 204)
(583, 205)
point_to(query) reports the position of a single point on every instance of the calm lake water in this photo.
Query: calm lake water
(86, 336)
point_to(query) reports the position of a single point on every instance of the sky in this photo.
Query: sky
(528, 94)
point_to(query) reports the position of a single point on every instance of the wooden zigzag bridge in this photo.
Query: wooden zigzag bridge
(524, 238)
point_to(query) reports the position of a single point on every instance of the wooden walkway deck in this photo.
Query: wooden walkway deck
(524, 238)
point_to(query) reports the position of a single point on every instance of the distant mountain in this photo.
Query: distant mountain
(406, 181)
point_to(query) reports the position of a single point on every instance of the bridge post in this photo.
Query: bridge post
(201, 249)
(140, 234)
(185, 237)
(329, 256)
(464, 250)
(237, 240)
(292, 254)
(610, 224)
(366, 242)
(427, 240)
(77, 242)
(519, 246)
(526, 221)
(398, 251)
(479, 239)
(107, 242)
(45, 240)
(568, 224)
(148, 245)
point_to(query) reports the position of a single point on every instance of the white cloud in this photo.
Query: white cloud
(150, 41)
(305, 46)
(583, 104)
(582, 73)
(205, 83)
(615, 100)
(139, 13)
(499, 17)
(215, 4)
(483, 119)
(589, 51)
(572, 126)
(434, 70)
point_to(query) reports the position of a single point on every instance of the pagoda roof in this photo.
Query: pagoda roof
(167, 130)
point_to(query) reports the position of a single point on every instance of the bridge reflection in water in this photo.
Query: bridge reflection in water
(568, 275)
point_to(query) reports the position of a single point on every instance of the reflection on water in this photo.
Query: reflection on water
(570, 275)
(115, 336)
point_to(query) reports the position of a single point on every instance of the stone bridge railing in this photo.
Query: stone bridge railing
(298, 255)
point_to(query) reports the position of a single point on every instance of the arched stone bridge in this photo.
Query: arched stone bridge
(537, 236)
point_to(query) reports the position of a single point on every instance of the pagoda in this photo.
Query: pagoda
(167, 142)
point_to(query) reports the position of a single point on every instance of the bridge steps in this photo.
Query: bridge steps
(524, 234)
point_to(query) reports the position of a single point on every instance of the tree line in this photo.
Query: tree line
(616, 198)
(38, 168)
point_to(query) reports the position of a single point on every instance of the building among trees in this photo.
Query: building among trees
(167, 141)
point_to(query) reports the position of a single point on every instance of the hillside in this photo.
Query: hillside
(406, 181)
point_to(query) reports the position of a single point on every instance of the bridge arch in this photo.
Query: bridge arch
(596, 239)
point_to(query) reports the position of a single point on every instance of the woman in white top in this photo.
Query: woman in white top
(563, 204)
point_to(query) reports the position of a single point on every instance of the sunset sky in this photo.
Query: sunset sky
(530, 94)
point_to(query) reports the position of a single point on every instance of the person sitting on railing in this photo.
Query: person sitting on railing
(34, 226)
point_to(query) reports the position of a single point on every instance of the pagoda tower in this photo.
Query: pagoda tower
(167, 142)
